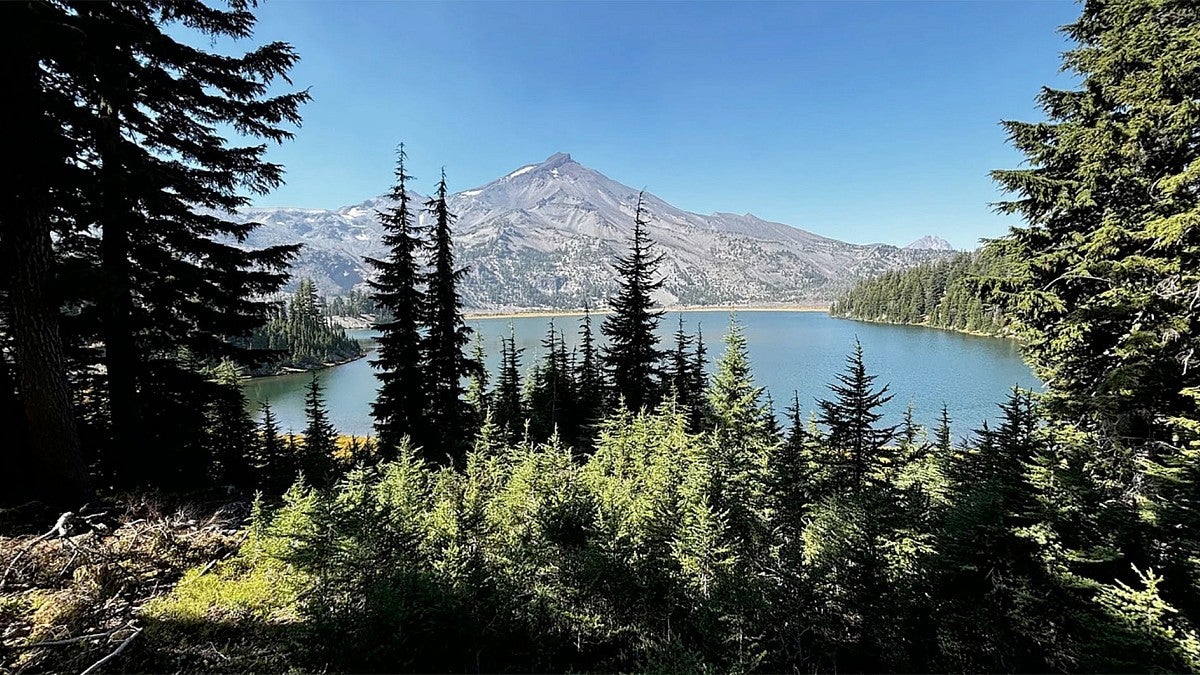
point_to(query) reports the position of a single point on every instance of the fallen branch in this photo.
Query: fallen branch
(60, 528)
(68, 641)
(114, 654)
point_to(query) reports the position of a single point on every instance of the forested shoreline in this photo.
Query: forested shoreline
(616, 509)
(955, 294)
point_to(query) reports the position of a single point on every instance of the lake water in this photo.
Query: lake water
(799, 351)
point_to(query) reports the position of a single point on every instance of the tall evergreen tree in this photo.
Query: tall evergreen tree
(150, 216)
(400, 406)
(446, 338)
(231, 431)
(34, 39)
(509, 413)
(551, 401)
(1110, 257)
(274, 465)
(477, 395)
(1105, 285)
(316, 460)
(632, 353)
(858, 447)
(590, 386)
(941, 437)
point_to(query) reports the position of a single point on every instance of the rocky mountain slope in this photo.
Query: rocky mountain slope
(546, 235)
(929, 243)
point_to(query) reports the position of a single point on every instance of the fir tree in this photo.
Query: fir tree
(551, 400)
(50, 460)
(477, 395)
(942, 436)
(509, 415)
(274, 465)
(632, 355)
(678, 373)
(162, 184)
(400, 406)
(231, 431)
(859, 446)
(589, 376)
(446, 338)
(316, 460)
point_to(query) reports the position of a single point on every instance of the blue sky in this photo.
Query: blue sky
(864, 121)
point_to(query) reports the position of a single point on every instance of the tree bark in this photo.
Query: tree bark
(56, 472)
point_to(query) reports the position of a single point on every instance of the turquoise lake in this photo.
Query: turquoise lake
(800, 351)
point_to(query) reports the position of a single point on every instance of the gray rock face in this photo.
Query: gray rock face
(545, 236)
(930, 243)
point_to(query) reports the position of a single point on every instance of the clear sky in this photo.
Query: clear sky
(864, 121)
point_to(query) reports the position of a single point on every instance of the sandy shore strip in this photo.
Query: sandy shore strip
(550, 313)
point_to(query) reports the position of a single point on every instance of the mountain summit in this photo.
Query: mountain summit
(545, 236)
(930, 243)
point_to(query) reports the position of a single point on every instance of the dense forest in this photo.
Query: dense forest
(617, 509)
(299, 334)
(950, 293)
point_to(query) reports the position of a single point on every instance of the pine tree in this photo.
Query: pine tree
(700, 416)
(447, 336)
(399, 408)
(851, 419)
(316, 460)
(632, 355)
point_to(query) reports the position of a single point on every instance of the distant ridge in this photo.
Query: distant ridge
(545, 235)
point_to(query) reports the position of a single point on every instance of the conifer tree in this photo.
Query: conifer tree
(700, 416)
(551, 401)
(589, 376)
(477, 395)
(509, 414)
(942, 435)
(50, 460)
(858, 445)
(678, 373)
(445, 340)
(1110, 257)
(632, 355)
(790, 475)
(274, 465)
(316, 460)
(162, 185)
(740, 437)
(400, 408)
(231, 431)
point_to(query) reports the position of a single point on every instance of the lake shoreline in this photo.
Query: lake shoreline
(960, 331)
(551, 313)
(285, 370)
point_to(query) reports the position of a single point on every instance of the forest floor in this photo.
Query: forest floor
(71, 597)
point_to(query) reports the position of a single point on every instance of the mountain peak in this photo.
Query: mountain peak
(557, 159)
(930, 243)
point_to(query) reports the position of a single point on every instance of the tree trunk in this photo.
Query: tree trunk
(128, 451)
(56, 472)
